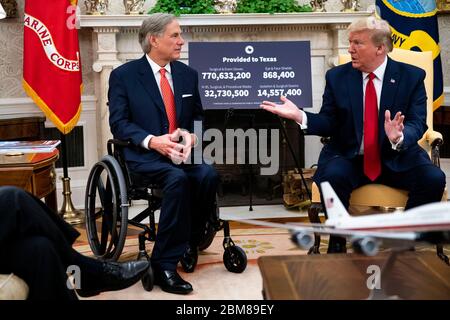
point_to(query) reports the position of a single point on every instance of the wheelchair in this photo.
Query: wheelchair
(114, 187)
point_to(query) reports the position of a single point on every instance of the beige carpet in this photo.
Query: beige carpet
(211, 280)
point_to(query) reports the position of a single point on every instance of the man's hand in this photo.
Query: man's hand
(286, 110)
(176, 146)
(394, 128)
(168, 146)
(186, 141)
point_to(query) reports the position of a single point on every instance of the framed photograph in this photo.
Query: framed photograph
(443, 6)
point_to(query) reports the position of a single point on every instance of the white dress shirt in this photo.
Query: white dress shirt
(156, 72)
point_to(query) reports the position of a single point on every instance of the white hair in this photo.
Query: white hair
(380, 30)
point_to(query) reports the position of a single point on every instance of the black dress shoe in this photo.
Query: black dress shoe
(170, 281)
(337, 245)
(114, 276)
(189, 259)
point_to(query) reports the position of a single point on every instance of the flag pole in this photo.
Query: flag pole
(68, 211)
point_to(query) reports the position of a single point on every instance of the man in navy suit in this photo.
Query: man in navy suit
(150, 101)
(367, 144)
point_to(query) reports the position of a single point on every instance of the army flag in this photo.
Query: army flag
(51, 60)
(414, 27)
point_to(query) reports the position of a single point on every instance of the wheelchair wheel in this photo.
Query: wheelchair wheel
(106, 209)
(208, 236)
(235, 259)
(148, 279)
(211, 227)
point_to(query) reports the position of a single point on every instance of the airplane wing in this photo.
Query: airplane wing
(326, 230)
(366, 242)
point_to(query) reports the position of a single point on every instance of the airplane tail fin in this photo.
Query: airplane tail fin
(334, 207)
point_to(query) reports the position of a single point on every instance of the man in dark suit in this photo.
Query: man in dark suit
(366, 144)
(36, 245)
(150, 100)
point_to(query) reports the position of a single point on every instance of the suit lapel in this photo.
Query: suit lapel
(148, 81)
(177, 88)
(388, 93)
(354, 81)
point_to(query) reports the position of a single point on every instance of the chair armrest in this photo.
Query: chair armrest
(12, 287)
(435, 140)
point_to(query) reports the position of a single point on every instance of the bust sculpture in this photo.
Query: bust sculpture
(318, 5)
(133, 6)
(96, 7)
(350, 5)
(225, 6)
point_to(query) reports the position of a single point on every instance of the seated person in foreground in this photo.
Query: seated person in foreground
(36, 245)
(366, 144)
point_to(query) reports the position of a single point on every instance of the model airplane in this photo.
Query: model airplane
(429, 223)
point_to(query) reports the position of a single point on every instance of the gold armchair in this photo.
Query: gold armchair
(378, 195)
(12, 287)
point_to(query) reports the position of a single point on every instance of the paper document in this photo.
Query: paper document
(36, 146)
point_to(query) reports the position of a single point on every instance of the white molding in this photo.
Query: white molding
(306, 18)
(25, 107)
(447, 96)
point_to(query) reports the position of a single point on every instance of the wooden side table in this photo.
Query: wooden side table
(34, 172)
(415, 275)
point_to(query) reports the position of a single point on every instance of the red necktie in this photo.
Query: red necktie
(372, 163)
(169, 101)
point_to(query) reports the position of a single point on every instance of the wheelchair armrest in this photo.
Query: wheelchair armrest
(325, 140)
(121, 143)
(117, 143)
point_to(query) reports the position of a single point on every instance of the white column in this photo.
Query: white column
(340, 41)
(106, 49)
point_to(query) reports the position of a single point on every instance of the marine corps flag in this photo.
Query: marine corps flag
(51, 60)
(414, 27)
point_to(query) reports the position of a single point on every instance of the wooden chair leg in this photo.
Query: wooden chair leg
(313, 215)
(441, 254)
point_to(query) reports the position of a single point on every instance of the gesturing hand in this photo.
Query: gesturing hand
(286, 110)
(393, 128)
